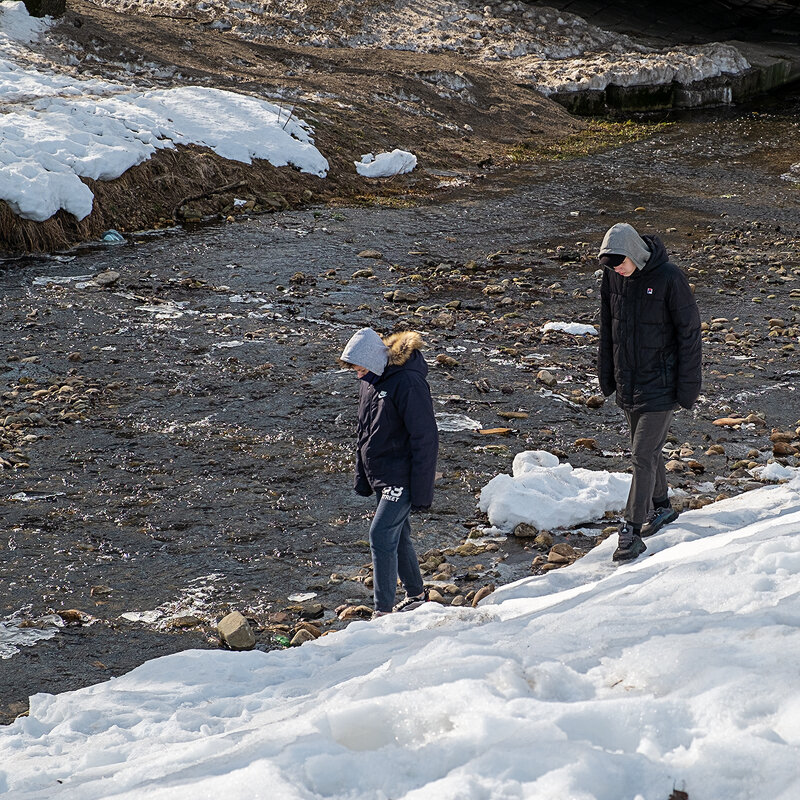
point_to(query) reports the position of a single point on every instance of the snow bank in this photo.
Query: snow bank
(545, 47)
(683, 65)
(546, 494)
(45, 150)
(596, 682)
(385, 165)
(16, 25)
(56, 129)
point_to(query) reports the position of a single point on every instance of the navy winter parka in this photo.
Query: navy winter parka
(650, 337)
(398, 442)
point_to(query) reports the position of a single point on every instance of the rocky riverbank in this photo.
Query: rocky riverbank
(464, 86)
(178, 439)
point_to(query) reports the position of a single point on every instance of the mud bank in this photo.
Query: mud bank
(458, 83)
(178, 438)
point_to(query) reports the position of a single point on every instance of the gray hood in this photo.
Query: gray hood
(366, 349)
(622, 239)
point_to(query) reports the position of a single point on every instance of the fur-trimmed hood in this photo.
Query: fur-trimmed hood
(397, 432)
(402, 346)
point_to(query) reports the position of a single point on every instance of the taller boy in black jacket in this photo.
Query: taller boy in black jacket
(650, 354)
(396, 452)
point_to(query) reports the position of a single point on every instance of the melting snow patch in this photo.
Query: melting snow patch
(546, 494)
(775, 472)
(385, 165)
(55, 129)
(44, 280)
(570, 327)
(18, 630)
(456, 422)
(793, 175)
(594, 71)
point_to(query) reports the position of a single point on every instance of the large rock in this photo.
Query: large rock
(525, 531)
(546, 377)
(543, 540)
(107, 278)
(355, 612)
(301, 637)
(562, 553)
(236, 632)
(484, 591)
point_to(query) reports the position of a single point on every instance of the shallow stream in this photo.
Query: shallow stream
(206, 462)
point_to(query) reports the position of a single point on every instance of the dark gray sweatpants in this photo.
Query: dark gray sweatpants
(648, 434)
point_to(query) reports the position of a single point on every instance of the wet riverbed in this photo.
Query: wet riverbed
(178, 437)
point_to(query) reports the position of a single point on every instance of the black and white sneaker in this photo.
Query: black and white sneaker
(410, 603)
(659, 517)
(630, 544)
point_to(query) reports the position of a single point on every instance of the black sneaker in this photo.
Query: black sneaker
(630, 544)
(659, 517)
(410, 603)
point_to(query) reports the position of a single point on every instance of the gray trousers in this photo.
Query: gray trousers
(648, 434)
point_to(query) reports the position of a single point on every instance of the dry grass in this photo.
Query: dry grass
(598, 136)
(148, 196)
(26, 236)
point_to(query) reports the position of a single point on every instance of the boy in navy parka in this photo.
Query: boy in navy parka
(396, 452)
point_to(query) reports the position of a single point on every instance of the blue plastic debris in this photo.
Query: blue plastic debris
(113, 237)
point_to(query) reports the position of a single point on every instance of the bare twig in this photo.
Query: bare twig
(291, 111)
(208, 193)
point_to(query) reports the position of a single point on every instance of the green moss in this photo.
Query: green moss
(598, 136)
(385, 201)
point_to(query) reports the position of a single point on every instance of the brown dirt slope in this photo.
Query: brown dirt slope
(454, 114)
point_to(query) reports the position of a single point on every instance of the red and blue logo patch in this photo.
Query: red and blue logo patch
(649, 290)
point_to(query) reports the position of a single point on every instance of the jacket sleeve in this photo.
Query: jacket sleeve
(360, 483)
(415, 407)
(686, 319)
(605, 351)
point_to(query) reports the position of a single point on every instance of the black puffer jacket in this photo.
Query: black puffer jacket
(398, 442)
(650, 346)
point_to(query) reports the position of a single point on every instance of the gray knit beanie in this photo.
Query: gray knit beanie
(366, 349)
(622, 239)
